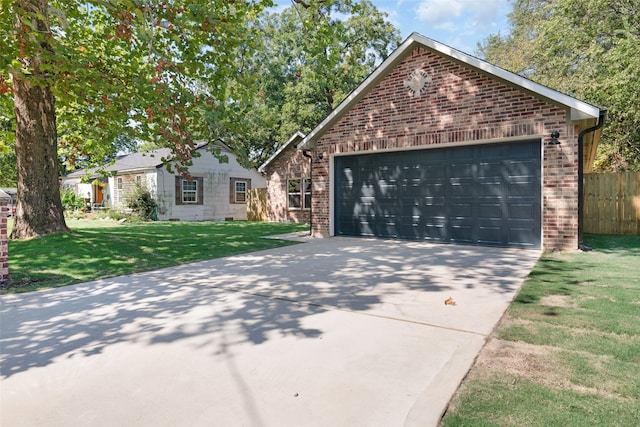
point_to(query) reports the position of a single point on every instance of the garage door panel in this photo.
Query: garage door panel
(521, 237)
(460, 209)
(461, 233)
(364, 226)
(524, 151)
(521, 167)
(435, 232)
(461, 188)
(491, 211)
(490, 168)
(489, 189)
(523, 211)
(434, 171)
(521, 189)
(433, 189)
(490, 234)
(434, 210)
(487, 195)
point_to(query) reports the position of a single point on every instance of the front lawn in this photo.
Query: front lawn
(567, 352)
(99, 248)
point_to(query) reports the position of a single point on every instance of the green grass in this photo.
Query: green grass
(98, 249)
(569, 346)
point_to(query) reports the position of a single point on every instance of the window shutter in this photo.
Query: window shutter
(200, 182)
(178, 190)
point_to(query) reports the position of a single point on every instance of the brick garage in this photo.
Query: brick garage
(284, 170)
(441, 146)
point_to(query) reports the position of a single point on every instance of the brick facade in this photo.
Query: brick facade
(289, 164)
(4, 244)
(129, 182)
(460, 106)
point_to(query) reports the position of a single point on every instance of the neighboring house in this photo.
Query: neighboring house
(438, 145)
(215, 190)
(11, 196)
(288, 174)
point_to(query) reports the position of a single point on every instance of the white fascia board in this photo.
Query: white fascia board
(578, 110)
(294, 137)
(308, 143)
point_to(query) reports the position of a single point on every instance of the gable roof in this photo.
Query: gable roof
(298, 136)
(8, 192)
(132, 162)
(128, 163)
(578, 110)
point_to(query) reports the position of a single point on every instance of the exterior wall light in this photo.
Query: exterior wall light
(554, 138)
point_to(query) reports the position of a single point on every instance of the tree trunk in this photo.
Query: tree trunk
(39, 208)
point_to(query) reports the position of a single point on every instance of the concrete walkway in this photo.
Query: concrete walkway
(332, 332)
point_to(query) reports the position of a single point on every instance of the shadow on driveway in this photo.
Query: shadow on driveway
(353, 316)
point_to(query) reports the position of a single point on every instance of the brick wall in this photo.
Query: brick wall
(4, 245)
(291, 163)
(128, 187)
(460, 105)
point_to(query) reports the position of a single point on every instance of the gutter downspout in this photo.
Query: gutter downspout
(307, 155)
(581, 245)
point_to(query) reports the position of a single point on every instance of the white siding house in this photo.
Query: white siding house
(215, 190)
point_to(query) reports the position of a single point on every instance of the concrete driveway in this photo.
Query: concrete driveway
(332, 332)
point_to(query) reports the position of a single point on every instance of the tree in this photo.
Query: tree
(8, 173)
(82, 73)
(310, 57)
(8, 177)
(586, 48)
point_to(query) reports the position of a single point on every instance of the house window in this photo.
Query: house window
(139, 179)
(238, 190)
(117, 197)
(189, 191)
(241, 192)
(299, 193)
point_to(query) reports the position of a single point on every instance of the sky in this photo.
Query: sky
(461, 24)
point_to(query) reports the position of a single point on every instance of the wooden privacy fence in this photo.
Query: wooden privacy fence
(612, 203)
(257, 204)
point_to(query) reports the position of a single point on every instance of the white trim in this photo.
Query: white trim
(194, 191)
(578, 110)
(332, 195)
(235, 190)
(294, 137)
(443, 145)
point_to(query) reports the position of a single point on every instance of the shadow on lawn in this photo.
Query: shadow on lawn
(248, 297)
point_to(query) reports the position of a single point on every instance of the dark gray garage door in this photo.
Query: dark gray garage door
(484, 194)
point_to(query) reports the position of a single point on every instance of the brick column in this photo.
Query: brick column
(4, 245)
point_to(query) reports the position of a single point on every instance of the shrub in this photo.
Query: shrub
(141, 200)
(71, 201)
